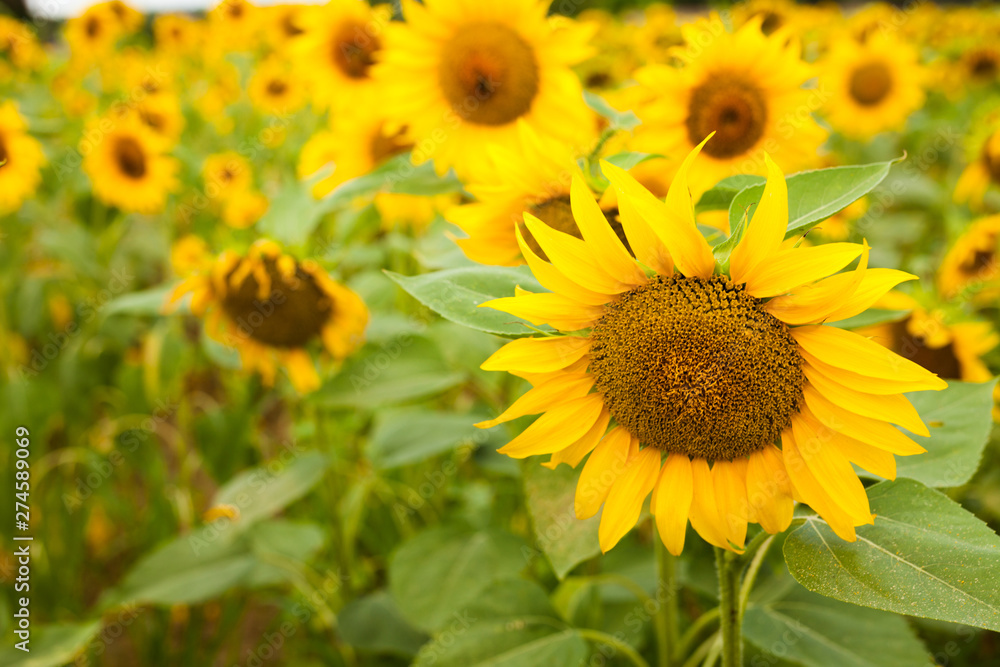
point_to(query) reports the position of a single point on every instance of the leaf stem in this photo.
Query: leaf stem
(730, 627)
(751, 576)
(618, 645)
(667, 619)
(690, 635)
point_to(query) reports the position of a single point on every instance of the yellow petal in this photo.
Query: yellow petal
(766, 231)
(809, 490)
(867, 384)
(301, 371)
(866, 429)
(605, 244)
(672, 501)
(579, 449)
(730, 480)
(555, 392)
(704, 508)
(557, 428)
(561, 312)
(573, 257)
(606, 463)
(874, 460)
(789, 269)
(554, 279)
(646, 245)
(893, 408)
(835, 298)
(847, 350)
(625, 499)
(874, 285)
(538, 355)
(769, 493)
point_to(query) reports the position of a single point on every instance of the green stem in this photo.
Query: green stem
(666, 621)
(729, 580)
(616, 644)
(702, 651)
(751, 575)
(691, 635)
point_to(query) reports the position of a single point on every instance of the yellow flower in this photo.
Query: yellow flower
(342, 39)
(461, 74)
(271, 307)
(705, 369)
(189, 255)
(414, 212)
(276, 89)
(226, 175)
(21, 160)
(92, 35)
(285, 24)
(872, 87)
(127, 164)
(176, 34)
(746, 87)
(19, 46)
(234, 24)
(244, 209)
(969, 270)
(127, 19)
(983, 153)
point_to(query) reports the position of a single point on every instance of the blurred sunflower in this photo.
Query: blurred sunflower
(127, 19)
(276, 89)
(706, 365)
(271, 307)
(341, 41)
(128, 165)
(746, 87)
(285, 24)
(226, 174)
(177, 35)
(983, 154)
(970, 266)
(461, 74)
(92, 34)
(873, 86)
(772, 14)
(21, 159)
(980, 65)
(20, 51)
(244, 209)
(234, 25)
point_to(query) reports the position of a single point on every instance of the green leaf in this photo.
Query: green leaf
(455, 294)
(440, 572)
(510, 624)
(50, 645)
(628, 159)
(374, 623)
(293, 214)
(407, 436)
(277, 544)
(925, 556)
(721, 196)
(146, 302)
(814, 631)
(815, 195)
(403, 369)
(617, 120)
(960, 418)
(565, 540)
(397, 174)
(266, 490)
(871, 317)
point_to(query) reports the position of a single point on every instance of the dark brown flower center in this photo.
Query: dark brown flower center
(488, 74)
(992, 163)
(939, 360)
(131, 157)
(290, 27)
(983, 64)
(772, 21)
(4, 155)
(870, 83)
(276, 88)
(292, 315)
(354, 50)
(696, 366)
(732, 108)
(92, 27)
(153, 120)
(385, 146)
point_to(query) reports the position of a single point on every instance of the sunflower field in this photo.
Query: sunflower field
(517, 333)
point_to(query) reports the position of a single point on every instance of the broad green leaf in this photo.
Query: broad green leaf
(512, 624)
(261, 492)
(146, 302)
(436, 575)
(565, 540)
(374, 623)
(815, 631)
(293, 214)
(403, 369)
(280, 544)
(960, 418)
(814, 196)
(628, 159)
(398, 174)
(925, 556)
(871, 317)
(455, 294)
(721, 196)
(617, 120)
(50, 645)
(406, 436)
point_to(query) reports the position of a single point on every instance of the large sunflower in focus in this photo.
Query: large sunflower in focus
(744, 86)
(726, 394)
(21, 160)
(338, 49)
(271, 307)
(128, 165)
(461, 74)
(873, 87)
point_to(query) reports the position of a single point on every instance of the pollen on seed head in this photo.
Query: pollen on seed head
(696, 366)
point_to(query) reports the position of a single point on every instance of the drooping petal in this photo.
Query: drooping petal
(557, 428)
(606, 463)
(730, 480)
(704, 508)
(874, 460)
(625, 499)
(764, 234)
(810, 491)
(869, 430)
(545, 396)
(894, 408)
(769, 492)
(538, 355)
(672, 501)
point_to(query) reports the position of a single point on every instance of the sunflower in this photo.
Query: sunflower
(873, 87)
(271, 307)
(234, 25)
(970, 268)
(128, 165)
(461, 74)
(19, 48)
(703, 370)
(244, 209)
(21, 160)
(177, 35)
(285, 24)
(984, 166)
(275, 88)
(746, 87)
(980, 65)
(127, 19)
(338, 49)
(226, 174)
(93, 34)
